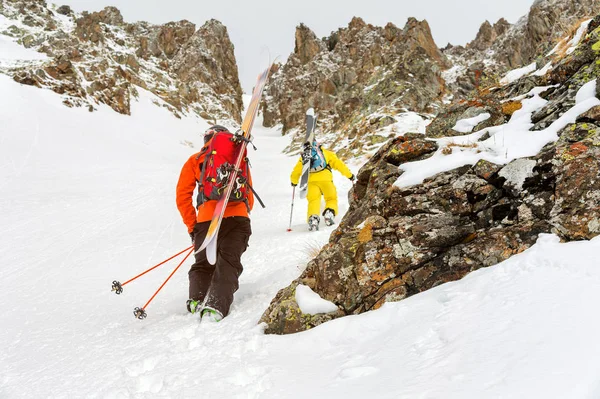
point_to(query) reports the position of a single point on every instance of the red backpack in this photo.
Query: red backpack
(220, 154)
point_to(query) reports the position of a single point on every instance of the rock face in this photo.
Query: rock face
(355, 72)
(395, 242)
(502, 47)
(98, 58)
(488, 34)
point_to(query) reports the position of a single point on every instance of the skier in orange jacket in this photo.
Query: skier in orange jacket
(211, 287)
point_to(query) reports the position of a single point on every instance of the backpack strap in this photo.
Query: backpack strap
(206, 150)
(327, 166)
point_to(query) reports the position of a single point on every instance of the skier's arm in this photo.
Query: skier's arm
(296, 172)
(338, 164)
(185, 192)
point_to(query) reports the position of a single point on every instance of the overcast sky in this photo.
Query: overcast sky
(254, 25)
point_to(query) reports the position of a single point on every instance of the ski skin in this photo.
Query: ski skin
(311, 121)
(210, 241)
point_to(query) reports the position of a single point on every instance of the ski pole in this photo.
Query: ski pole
(117, 287)
(140, 313)
(292, 210)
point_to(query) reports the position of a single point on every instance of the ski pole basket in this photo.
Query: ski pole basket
(117, 287)
(140, 313)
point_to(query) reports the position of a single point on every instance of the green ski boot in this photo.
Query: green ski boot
(211, 315)
(193, 306)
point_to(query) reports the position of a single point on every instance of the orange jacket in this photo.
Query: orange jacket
(188, 181)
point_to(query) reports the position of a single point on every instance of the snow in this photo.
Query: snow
(507, 142)
(410, 122)
(574, 42)
(467, 125)
(311, 303)
(518, 73)
(87, 198)
(577, 37)
(586, 92)
(544, 70)
(452, 74)
(12, 53)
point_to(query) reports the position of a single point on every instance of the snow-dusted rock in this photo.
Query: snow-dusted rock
(357, 71)
(509, 50)
(98, 58)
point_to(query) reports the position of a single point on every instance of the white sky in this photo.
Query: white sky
(254, 25)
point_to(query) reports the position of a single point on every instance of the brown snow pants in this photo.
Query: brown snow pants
(216, 284)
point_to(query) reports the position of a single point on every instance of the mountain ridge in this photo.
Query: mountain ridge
(98, 58)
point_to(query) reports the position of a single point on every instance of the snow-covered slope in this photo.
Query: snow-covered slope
(87, 198)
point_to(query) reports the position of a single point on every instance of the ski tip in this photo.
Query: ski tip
(310, 112)
(289, 230)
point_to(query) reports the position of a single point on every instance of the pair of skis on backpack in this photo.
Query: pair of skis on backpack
(210, 241)
(307, 152)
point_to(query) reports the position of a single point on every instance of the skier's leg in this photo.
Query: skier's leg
(330, 195)
(313, 195)
(232, 243)
(201, 272)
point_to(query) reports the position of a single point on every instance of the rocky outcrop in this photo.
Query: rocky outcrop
(88, 26)
(307, 45)
(354, 72)
(442, 125)
(488, 34)
(503, 47)
(214, 66)
(397, 241)
(98, 58)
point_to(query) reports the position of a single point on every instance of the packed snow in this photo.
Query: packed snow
(88, 198)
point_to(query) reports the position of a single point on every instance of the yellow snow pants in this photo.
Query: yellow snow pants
(313, 195)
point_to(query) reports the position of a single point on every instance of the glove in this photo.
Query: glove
(294, 185)
(352, 178)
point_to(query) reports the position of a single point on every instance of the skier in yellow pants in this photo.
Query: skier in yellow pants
(320, 182)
